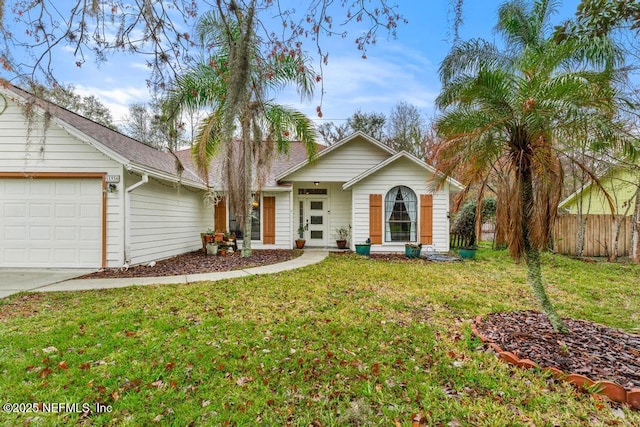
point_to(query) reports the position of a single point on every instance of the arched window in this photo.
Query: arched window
(401, 213)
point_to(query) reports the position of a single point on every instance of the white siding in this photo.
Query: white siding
(56, 152)
(115, 225)
(165, 220)
(61, 153)
(401, 172)
(283, 220)
(343, 163)
(340, 210)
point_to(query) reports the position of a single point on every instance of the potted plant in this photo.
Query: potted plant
(206, 237)
(412, 250)
(343, 235)
(300, 241)
(212, 248)
(364, 248)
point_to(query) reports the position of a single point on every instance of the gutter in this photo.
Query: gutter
(127, 216)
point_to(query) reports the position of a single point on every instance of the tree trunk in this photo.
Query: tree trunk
(532, 252)
(635, 234)
(247, 181)
(615, 239)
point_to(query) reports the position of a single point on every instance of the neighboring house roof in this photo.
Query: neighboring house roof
(395, 157)
(332, 147)
(128, 151)
(619, 182)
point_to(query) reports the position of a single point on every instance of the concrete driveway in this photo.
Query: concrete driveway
(14, 280)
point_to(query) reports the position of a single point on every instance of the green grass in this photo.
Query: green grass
(349, 341)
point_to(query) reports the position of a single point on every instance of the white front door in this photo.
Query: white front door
(314, 219)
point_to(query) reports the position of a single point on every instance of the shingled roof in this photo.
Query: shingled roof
(283, 161)
(129, 151)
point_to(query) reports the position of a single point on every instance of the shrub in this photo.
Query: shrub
(465, 221)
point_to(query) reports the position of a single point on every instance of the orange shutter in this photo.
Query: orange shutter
(269, 220)
(220, 215)
(375, 218)
(426, 219)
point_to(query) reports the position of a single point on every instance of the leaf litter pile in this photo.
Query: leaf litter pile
(197, 262)
(595, 351)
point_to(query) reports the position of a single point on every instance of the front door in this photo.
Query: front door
(313, 216)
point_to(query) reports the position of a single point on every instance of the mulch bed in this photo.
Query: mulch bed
(197, 262)
(595, 351)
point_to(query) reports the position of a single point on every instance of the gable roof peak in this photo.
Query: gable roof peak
(335, 146)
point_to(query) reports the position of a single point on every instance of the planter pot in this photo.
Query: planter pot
(206, 238)
(212, 248)
(363, 249)
(342, 244)
(218, 237)
(300, 243)
(412, 251)
(467, 253)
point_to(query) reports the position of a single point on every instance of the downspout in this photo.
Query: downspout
(127, 216)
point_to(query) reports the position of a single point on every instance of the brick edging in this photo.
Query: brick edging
(612, 390)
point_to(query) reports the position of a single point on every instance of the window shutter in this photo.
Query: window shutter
(426, 219)
(375, 218)
(269, 220)
(220, 215)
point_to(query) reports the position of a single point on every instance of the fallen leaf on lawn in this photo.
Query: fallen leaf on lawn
(45, 373)
(206, 403)
(454, 423)
(51, 349)
(418, 420)
(158, 383)
(375, 369)
(62, 365)
(243, 380)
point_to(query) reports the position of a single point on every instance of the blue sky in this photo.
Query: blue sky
(402, 69)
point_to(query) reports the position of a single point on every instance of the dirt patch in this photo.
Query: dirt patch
(197, 262)
(590, 349)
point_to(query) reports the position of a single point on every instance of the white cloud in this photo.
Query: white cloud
(116, 99)
(390, 75)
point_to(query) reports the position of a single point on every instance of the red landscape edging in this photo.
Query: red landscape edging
(612, 390)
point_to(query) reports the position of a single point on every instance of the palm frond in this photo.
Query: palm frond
(469, 56)
(285, 123)
(207, 143)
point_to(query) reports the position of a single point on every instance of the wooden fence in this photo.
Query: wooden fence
(598, 238)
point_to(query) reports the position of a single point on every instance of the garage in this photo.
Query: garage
(48, 222)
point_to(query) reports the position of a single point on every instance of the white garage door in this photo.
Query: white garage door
(51, 223)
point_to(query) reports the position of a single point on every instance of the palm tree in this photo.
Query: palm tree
(518, 110)
(235, 82)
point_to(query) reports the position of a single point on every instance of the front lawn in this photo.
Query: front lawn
(349, 341)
